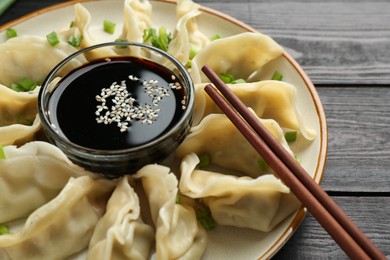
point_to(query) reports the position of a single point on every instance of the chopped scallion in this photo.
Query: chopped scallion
(109, 27)
(4, 229)
(230, 79)
(178, 198)
(277, 76)
(21, 119)
(238, 81)
(71, 24)
(226, 77)
(24, 85)
(291, 136)
(11, 33)
(120, 46)
(262, 164)
(159, 40)
(298, 159)
(75, 41)
(204, 160)
(215, 37)
(194, 50)
(204, 216)
(5, 4)
(2, 154)
(52, 38)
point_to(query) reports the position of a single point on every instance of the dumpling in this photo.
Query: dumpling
(137, 18)
(32, 175)
(191, 9)
(240, 55)
(18, 116)
(82, 22)
(186, 34)
(270, 99)
(63, 226)
(218, 137)
(259, 203)
(32, 57)
(178, 234)
(121, 232)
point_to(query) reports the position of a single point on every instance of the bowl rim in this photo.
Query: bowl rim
(187, 115)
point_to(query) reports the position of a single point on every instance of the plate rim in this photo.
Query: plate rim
(323, 135)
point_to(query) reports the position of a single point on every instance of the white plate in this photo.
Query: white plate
(223, 242)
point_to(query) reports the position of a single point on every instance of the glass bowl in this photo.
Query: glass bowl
(115, 107)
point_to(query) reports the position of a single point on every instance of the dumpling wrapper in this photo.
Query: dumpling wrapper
(178, 233)
(218, 137)
(32, 57)
(259, 203)
(270, 99)
(137, 18)
(240, 55)
(82, 22)
(19, 121)
(32, 175)
(63, 226)
(186, 35)
(121, 232)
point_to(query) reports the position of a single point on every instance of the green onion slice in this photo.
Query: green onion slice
(262, 164)
(160, 39)
(204, 216)
(230, 79)
(4, 229)
(291, 136)
(204, 160)
(277, 76)
(75, 41)
(178, 198)
(194, 50)
(226, 77)
(298, 159)
(120, 46)
(52, 38)
(11, 33)
(109, 27)
(2, 154)
(215, 37)
(24, 85)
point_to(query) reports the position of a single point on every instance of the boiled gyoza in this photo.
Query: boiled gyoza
(270, 99)
(18, 116)
(191, 9)
(137, 18)
(31, 57)
(186, 35)
(240, 55)
(218, 137)
(178, 234)
(32, 175)
(61, 227)
(121, 232)
(82, 22)
(259, 203)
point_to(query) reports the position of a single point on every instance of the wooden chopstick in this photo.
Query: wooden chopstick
(333, 219)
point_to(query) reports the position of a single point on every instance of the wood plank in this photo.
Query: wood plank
(359, 140)
(312, 242)
(343, 42)
(335, 42)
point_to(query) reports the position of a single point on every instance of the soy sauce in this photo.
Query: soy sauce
(74, 104)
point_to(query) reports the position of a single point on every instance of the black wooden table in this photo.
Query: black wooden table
(344, 46)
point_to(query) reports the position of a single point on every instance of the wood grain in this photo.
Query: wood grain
(344, 42)
(359, 138)
(312, 242)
